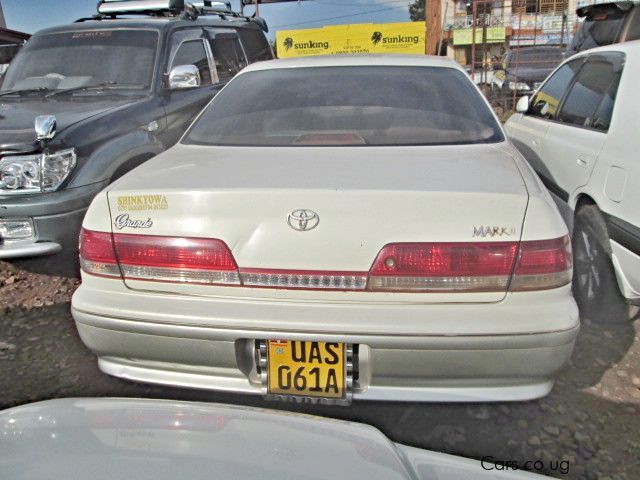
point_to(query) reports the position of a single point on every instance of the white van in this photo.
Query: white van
(581, 132)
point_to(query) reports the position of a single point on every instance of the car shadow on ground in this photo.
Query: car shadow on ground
(65, 264)
(590, 420)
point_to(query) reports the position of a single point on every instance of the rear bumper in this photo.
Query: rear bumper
(201, 343)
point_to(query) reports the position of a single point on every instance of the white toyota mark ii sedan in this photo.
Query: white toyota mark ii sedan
(329, 229)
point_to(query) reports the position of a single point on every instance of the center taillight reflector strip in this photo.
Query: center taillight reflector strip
(303, 279)
(399, 267)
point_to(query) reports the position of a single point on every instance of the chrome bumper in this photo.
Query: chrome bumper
(19, 249)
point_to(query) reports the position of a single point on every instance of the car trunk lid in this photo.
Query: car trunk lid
(354, 200)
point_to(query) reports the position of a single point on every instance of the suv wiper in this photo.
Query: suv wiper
(93, 87)
(26, 90)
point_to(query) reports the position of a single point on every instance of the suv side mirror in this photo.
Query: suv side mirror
(523, 104)
(183, 77)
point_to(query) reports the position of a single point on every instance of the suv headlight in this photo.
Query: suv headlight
(43, 172)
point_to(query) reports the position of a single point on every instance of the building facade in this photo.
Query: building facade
(504, 24)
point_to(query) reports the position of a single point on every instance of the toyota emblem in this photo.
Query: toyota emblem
(303, 220)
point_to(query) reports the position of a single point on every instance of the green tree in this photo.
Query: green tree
(416, 11)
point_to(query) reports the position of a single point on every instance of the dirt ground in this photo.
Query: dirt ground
(587, 428)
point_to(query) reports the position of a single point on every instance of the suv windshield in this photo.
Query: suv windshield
(72, 60)
(334, 106)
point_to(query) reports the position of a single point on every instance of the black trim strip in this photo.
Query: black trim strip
(554, 188)
(623, 233)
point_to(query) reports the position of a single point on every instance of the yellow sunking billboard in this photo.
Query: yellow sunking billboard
(404, 37)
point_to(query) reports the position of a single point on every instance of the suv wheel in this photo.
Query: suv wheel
(595, 286)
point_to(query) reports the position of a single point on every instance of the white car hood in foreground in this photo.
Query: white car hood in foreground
(365, 197)
(120, 439)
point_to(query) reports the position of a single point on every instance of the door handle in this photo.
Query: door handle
(583, 162)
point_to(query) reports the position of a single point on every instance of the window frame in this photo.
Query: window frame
(181, 37)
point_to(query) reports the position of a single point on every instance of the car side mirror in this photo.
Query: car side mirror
(183, 77)
(523, 105)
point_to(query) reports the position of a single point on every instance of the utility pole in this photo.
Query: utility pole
(433, 25)
(257, 8)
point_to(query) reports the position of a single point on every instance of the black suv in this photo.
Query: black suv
(82, 104)
(604, 24)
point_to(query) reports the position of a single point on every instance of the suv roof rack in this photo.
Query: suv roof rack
(109, 9)
(174, 7)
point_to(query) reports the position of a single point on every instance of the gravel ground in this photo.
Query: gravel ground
(588, 428)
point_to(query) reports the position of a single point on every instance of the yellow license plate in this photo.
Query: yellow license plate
(307, 369)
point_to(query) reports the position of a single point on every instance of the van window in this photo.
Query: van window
(590, 100)
(192, 52)
(545, 103)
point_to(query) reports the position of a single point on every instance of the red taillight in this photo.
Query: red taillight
(174, 252)
(165, 259)
(543, 264)
(176, 259)
(407, 267)
(444, 267)
(472, 267)
(97, 255)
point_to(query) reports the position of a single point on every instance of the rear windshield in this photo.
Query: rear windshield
(335, 106)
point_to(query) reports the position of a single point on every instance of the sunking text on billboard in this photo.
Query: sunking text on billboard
(406, 37)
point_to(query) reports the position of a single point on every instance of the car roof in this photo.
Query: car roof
(149, 22)
(356, 60)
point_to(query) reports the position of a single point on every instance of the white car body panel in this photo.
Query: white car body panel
(591, 165)
(120, 439)
(247, 194)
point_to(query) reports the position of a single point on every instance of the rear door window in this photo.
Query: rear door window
(590, 101)
(255, 45)
(228, 54)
